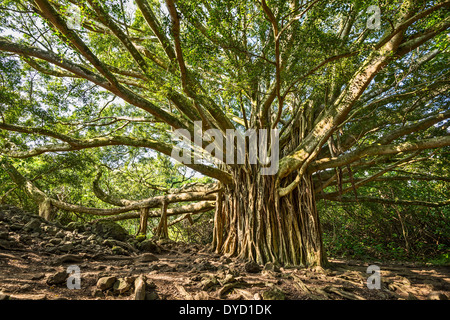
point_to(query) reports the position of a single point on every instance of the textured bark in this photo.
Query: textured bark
(162, 231)
(255, 224)
(45, 209)
(143, 219)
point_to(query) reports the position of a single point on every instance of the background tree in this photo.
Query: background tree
(351, 103)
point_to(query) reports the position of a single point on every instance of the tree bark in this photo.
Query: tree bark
(162, 231)
(45, 209)
(143, 219)
(254, 223)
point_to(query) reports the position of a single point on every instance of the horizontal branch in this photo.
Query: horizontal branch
(390, 201)
(72, 144)
(194, 208)
(39, 196)
(376, 150)
(154, 201)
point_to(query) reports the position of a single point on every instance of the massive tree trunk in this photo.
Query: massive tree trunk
(253, 223)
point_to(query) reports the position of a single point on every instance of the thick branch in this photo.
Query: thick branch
(191, 209)
(125, 94)
(392, 201)
(375, 150)
(79, 144)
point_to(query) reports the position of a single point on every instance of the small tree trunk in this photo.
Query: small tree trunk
(253, 223)
(162, 231)
(218, 223)
(143, 219)
(45, 209)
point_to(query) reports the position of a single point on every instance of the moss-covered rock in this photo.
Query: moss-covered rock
(149, 246)
(110, 229)
(118, 250)
(140, 237)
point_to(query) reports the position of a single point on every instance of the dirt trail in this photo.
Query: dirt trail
(30, 268)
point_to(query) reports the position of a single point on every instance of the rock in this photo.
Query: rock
(106, 283)
(57, 278)
(152, 295)
(204, 265)
(116, 243)
(118, 250)
(110, 229)
(270, 266)
(225, 260)
(208, 283)
(151, 284)
(140, 237)
(55, 241)
(4, 296)
(33, 226)
(252, 267)
(97, 293)
(121, 286)
(147, 257)
(411, 296)
(273, 294)
(66, 247)
(6, 244)
(149, 246)
(60, 234)
(139, 288)
(434, 295)
(4, 235)
(38, 276)
(68, 258)
(15, 227)
(75, 225)
(50, 230)
(229, 278)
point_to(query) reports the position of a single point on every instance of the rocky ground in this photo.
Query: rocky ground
(35, 256)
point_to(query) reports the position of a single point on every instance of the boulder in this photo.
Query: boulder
(97, 293)
(147, 257)
(152, 295)
(252, 267)
(57, 278)
(106, 283)
(33, 226)
(149, 246)
(118, 250)
(122, 285)
(110, 229)
(139, 288)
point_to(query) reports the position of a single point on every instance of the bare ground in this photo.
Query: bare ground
(190, 273)
(32, 268)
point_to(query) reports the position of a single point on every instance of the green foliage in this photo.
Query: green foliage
(368, 232)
